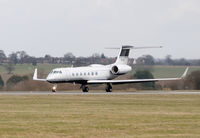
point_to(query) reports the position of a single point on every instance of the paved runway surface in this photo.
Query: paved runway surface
(103, 93)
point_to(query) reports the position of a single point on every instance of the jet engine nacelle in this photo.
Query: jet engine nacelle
(120, 69)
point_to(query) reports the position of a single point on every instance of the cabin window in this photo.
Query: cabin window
(96, 73)
(84, 74)
(81, 74)
(76, 74)
(88, 73)
(72, 74)
(92, 73)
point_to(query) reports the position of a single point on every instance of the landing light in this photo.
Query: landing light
(54, 88)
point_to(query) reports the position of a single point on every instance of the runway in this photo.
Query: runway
(102, 93)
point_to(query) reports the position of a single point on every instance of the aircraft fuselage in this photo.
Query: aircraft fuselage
(83, 74)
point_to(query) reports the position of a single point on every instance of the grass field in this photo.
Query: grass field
(23, 69)
(158, 71)
(170, 71)
(100, 116)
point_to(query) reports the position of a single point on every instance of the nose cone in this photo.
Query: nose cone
(50, 78)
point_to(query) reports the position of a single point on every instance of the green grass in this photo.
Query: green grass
(100, 116)
(158, 71)
(23, 69)
(170, 71)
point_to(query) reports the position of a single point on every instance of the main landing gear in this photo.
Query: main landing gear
(85, 88)
(109, 87)
(54, 88)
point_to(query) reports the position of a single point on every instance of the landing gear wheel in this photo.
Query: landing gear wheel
(109, 88)
(85, 88)
(54, 88)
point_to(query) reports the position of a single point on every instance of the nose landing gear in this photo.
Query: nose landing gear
(54, 88)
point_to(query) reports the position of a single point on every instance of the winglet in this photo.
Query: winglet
(185, 73)
(35, 75)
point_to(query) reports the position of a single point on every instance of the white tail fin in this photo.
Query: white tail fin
(124, 53)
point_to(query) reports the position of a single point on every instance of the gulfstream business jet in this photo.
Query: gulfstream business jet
(99, 74)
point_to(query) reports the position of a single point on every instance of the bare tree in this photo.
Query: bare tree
(69, 55)
(13, 58)
(9, 67)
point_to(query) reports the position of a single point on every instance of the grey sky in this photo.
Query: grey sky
(84, 27)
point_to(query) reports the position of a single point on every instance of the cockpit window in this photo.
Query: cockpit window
(56, 72)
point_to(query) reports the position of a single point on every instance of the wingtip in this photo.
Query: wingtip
(35, 74)
(185, 73)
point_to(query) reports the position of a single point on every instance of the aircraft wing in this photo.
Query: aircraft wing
(35, 76)
(135, 80)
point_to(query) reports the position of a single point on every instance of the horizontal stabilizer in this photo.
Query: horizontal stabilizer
(135, 47)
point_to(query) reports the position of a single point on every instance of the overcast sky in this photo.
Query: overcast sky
(84, 27)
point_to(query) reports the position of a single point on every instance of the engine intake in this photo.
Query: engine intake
(114, 69)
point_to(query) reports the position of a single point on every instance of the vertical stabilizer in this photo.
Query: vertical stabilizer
(123, 55)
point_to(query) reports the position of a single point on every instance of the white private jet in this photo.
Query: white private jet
(99, 74)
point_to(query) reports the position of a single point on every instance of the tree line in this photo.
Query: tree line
(21, 57)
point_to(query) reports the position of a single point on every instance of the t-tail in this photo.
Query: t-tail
(123, 56)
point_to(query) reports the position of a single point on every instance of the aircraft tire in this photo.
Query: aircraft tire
(85, 89)
(108, 90)
(53, 90)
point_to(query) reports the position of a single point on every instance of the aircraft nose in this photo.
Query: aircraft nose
(50, 78)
